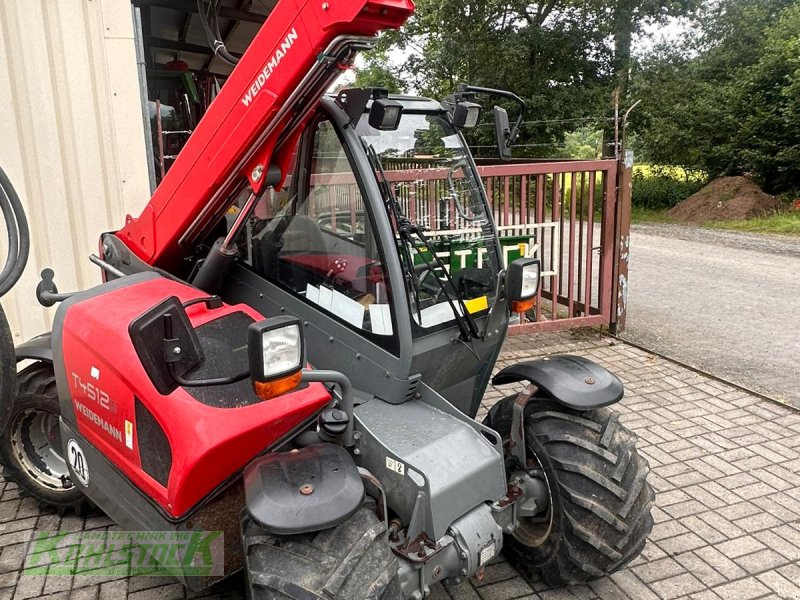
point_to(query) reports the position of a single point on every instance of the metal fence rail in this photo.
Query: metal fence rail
(560, 212)
(563, 213)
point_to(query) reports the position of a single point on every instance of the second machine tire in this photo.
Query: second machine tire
(599, 517)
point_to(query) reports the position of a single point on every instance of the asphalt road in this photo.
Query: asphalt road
(727, 303)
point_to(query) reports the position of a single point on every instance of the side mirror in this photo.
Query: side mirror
(166, 344)
(276, 349)
(466, 114)
(522, 284)
(502, 132)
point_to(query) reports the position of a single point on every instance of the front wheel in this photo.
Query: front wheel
(598, 517)
(352, 561)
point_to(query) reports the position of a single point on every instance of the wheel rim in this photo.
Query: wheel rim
(36, 443)
(534, 531)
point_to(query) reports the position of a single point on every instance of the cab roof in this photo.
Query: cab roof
(410, 103)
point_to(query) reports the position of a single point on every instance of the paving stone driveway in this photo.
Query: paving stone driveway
(725, 466)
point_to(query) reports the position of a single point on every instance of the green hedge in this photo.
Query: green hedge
(661, 192)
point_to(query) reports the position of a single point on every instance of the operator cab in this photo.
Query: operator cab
(316, 237)
(388, 234)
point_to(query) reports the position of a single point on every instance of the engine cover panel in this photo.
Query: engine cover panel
(413, 447)
(101, 379)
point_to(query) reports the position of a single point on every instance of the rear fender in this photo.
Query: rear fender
(38, 348)
(573, 381)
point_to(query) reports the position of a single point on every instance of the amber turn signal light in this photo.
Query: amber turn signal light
(521, 306)
(271, 389)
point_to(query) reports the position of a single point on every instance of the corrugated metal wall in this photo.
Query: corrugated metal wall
(71, 137)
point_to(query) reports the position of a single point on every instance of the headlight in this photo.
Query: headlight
(276, 355)
(530, 280)
(522, 284)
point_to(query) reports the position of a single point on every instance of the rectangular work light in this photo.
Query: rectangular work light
(466, 114)
(276, 349)
(522, 284)
(384, 114)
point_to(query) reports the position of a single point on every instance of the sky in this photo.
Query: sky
(669, 32)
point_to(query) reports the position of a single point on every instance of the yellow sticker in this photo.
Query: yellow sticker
(477, 304)
(129, 434)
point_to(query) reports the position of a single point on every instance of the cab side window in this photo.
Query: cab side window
(320, 243)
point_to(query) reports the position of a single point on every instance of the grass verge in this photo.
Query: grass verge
(649, 215)
(784, 223)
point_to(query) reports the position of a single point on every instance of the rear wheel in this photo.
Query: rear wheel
(349, 562)
(30, 445)
(598, 517)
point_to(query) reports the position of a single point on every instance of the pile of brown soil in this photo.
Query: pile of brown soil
(725, 199)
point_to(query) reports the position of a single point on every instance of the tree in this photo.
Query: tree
(563, 56)
(726, 101)
(584, 143)
(376, 72)
(768, 139)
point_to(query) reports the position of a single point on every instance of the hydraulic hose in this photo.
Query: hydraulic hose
(18, 249)
(19, 242)
(210, 25)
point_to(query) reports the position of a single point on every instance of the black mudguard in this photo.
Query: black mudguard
(38, 348)
(573, 381)
(315, 488)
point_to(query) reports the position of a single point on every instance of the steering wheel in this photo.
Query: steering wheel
(424, 273)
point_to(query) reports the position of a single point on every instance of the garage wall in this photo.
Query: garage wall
(72, 139)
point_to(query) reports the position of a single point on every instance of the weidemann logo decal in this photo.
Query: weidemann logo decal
(271, 65)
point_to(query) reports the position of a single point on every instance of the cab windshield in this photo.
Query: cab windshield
(444, 234)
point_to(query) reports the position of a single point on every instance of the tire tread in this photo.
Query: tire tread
(600, 485)
(349, 562)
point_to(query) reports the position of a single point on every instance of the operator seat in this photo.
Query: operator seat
(289, 234)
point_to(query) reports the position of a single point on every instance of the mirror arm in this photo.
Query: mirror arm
(512, 136)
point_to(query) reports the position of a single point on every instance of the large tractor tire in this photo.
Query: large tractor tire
(349, 562)
(30, 444)
(598, 517)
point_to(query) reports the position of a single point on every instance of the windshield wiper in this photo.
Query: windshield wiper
(404, 253)
(406, 228)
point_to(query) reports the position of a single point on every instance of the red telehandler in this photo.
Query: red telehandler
(290, 346)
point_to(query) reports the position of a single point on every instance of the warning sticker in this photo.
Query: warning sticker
(129, 434)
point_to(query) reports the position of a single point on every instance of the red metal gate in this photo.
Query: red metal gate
(570, 206)
(564, 211)
(568, 214)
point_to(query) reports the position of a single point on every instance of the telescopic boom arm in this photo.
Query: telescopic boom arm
(250, 126)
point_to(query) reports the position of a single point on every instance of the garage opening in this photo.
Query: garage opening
(186, 50)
